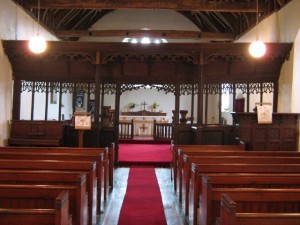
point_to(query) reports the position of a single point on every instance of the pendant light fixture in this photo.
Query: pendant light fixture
(37, 43)
(257, 48)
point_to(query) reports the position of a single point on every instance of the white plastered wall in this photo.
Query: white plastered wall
(15, 24)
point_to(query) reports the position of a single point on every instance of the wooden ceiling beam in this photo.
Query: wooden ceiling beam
(183, 5)
(171, 34)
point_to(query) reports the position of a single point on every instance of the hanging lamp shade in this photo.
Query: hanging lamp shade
(257, 49)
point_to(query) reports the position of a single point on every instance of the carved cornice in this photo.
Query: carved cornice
(57, 56)
(148, 58)
(167, 88)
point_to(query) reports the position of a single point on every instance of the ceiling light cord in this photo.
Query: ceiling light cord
(37, 44)
(257, 49)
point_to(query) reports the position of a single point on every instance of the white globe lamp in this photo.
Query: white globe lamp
(37, 44)
(257, 49)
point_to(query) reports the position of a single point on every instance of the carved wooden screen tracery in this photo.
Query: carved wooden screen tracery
(185, 89)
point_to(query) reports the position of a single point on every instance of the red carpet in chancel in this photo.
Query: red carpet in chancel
(153, 154)
(142, 203)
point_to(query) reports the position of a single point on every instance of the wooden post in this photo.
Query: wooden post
(17, 99)
(97, 89)
(32, 99)
(80, 138)
(200, 89)
(116, 119)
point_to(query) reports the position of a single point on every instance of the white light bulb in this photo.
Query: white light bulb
(37, 44)
(134, 41)
(257, 49)
(145, 40)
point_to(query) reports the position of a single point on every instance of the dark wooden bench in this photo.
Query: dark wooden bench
(212, 181)
(182, 158)
(48, 177)
(227, 160)
(59, 215)
(108, 158)
(257, 206)
(37, 155)
(198, 170)
(26, 196)
(184, 165)
(230, 216)
(84, 166)
(178, 150)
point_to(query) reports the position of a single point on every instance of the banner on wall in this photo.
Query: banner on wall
(79, 100)
(264, 113)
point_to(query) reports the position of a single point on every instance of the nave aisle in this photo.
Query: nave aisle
(113, 206)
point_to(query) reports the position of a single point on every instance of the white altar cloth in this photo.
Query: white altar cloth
(144, 125)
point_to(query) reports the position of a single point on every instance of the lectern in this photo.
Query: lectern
(82, 122)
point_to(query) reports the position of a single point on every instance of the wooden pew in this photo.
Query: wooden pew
(36, 155)
(182, 158)
(187, 159)
(84, 166)
(29, 196)
(200, 169)
(48, 177)
(211, 181)
(109, 156)
(178, 164)
(276, 207)
(184, 166)
(108, 160)
(177, 149)
(56, 216)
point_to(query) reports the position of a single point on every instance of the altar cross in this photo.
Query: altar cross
(144, 104)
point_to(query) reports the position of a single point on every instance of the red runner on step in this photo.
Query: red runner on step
(143, 153)
(142, 203)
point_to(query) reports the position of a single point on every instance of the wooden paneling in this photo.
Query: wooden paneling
(281, 135)
(34, 132)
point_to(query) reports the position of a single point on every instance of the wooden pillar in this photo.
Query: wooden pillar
(102, 102)
(47, 100)
(97, 89)
(192, 105)
(32, 100)
(233, 97)
(200, 89)
(206, 105)
(220, 104)
(60, 101)
(74, 97)
(17, 100)
(261, 92)
(248, 97)
(275, 97)
(116, 120)
(176, 113)
(177, 103)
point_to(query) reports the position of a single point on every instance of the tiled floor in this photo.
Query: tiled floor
(113, 206)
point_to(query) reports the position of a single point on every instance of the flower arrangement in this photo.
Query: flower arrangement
(155, 105)
(132, 105)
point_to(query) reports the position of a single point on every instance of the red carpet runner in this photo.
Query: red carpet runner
(142, 203)
(145, 154)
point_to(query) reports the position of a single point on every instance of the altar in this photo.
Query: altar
(143, 125)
